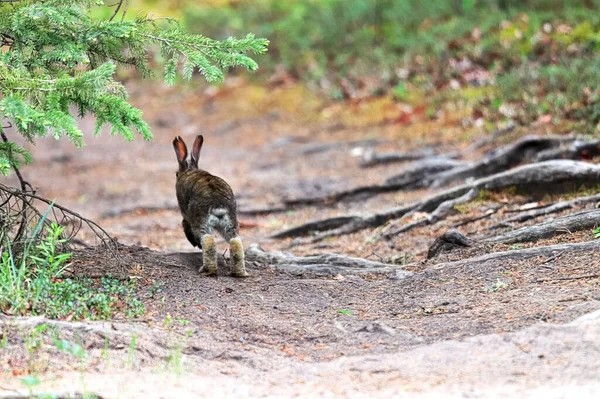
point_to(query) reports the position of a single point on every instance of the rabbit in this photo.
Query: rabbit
(207, 204)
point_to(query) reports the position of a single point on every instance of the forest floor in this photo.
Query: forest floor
(496, 319)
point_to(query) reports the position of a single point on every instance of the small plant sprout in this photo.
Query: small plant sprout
(155, 289)
(175, 360)
(183, 322)
(30, 382)
(496, 286)
(131, 351)
(73, 349)
(106, 350)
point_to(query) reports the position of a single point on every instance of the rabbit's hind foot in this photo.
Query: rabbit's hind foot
(209, 256)
(236, 250)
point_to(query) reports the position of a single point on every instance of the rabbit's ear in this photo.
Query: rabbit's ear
(181, 152)
(196, 150)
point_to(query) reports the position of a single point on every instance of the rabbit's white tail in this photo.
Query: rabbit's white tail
(220, 220)
(219, 212)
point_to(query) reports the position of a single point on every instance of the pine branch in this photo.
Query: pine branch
(207, 55)
(59, 57)
(24, 183)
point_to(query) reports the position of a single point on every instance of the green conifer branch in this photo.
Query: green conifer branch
(57, 56)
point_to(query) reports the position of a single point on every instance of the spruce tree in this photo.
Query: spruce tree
(55, 55)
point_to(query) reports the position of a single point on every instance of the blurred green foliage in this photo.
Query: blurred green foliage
(312, 37)
(540, 55)
(568, 89)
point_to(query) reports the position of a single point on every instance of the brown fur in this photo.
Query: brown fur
(197, 193)
(207, 203)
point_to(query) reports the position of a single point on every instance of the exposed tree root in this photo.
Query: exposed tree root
(527, 149)
(311, 227)
(546, 210)
(523, 254)
(417, 176)
(447, 242)
(567, 224)
(440, 171)
(524, 150)
(486, 215)
(443, 210)
(541, 176)
(371, 158)
(446, 207)
(568, 278)
(575, 150)
(357, 223)
(533, 177)
(327, 264)
(421, 174)
(362, 192)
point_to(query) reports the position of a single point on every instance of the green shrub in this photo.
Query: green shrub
(313, 37)
(33, 282)
(569, 89)
(540, 53)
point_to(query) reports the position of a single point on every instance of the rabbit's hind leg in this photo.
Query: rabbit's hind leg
(236, 250)
(209, 256)
(229, 230)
